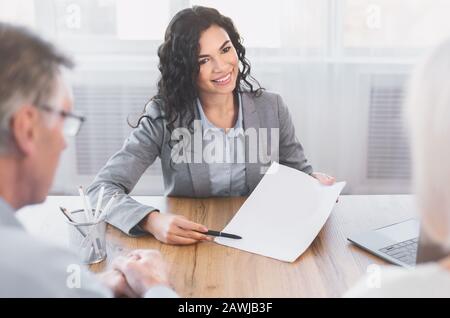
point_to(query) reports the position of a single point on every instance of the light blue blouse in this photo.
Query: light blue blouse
(225, 153)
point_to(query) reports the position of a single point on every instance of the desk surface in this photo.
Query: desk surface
(328, 268)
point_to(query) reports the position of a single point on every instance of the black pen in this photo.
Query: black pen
(222, 234)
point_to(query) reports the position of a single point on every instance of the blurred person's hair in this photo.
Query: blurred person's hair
(29, 69)
(428, 113)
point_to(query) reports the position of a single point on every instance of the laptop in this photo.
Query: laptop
(402, 243)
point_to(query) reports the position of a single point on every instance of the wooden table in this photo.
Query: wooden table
(327, 269)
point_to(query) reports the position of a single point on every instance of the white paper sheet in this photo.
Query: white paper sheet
(283, 215)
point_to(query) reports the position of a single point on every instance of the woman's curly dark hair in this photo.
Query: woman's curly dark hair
(179, 66)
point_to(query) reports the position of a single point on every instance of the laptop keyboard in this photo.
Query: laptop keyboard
(405, 252)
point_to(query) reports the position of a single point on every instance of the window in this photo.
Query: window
(284, 24)
(340, 63)
(142, 20)
(19, 12)
(105, 26)
(395, 24)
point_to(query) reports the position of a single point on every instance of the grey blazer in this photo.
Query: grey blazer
(151, 140)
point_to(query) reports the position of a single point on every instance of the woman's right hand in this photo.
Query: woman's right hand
(174, 229)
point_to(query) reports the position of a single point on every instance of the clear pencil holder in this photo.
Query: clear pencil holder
(87, 239)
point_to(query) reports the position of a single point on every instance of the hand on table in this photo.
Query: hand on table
(142, 270)
(174, 229)
(116, 282)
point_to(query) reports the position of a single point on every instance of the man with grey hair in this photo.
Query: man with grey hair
(35, 117)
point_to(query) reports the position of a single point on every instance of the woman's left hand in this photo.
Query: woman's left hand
(324, 178)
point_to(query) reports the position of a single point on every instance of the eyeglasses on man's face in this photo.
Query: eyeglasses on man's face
(72, 122)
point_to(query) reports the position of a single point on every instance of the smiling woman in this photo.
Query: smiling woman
(205, 86)
(219, 69)
(197, 45)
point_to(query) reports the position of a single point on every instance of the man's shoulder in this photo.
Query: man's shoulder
(30, 267)
(20, 245)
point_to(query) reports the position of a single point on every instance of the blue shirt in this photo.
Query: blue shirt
(225, 153)
(30, 267)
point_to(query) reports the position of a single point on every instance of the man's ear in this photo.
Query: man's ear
(23, 128)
